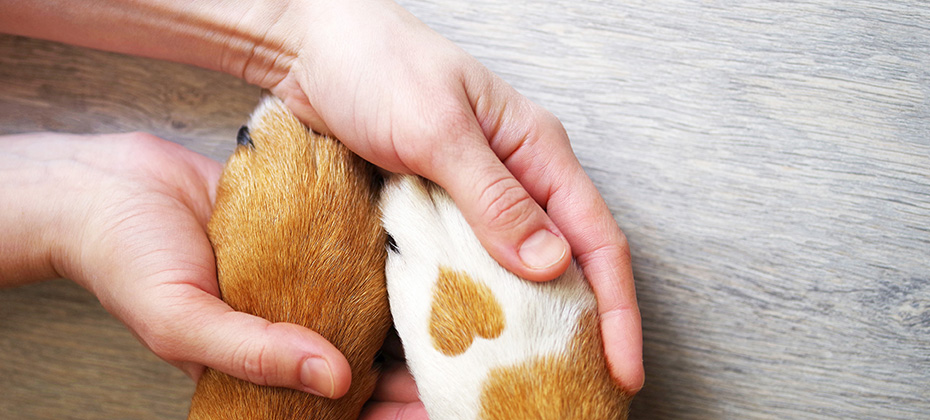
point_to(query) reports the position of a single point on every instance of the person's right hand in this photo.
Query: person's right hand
(408, 100)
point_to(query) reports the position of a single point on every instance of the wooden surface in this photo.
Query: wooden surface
(769, 162)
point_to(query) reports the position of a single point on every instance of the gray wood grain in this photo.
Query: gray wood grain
(769, 162)
(63, 357)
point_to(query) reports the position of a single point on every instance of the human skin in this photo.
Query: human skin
(392, 90)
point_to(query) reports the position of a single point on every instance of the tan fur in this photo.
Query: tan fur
(576, 386)
(298, 239)
(461, 310)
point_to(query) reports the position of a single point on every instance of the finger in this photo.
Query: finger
(603, 253)
(200, 328)
(509, 223)
(394, 411)
(396, 384)
(539, 155)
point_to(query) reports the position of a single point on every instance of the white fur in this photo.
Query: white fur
(540, 318)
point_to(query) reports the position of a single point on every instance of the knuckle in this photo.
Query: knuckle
(551, 124)
(609, 251)
(550, 120)
(507, 205)
(251, 359)
(622, 246)
(610, 255)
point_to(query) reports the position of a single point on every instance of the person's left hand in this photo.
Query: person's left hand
(125, 216)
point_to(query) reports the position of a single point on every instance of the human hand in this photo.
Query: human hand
(410, 101)
(125, 215)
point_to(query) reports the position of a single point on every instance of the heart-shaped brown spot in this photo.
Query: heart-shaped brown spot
(461, 310)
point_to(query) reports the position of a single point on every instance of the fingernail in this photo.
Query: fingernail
(542, 250)
(317, 375)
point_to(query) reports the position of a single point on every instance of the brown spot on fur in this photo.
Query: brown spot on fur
(298, 238)
(573, 386)
(461, 310)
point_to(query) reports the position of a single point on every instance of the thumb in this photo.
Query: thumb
(506, 219)
(201, 330)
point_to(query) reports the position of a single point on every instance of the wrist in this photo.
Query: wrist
(260, 45)
(36, 227)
